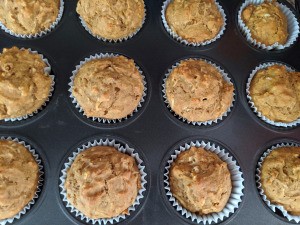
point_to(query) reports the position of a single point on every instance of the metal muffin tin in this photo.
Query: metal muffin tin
(153, 131)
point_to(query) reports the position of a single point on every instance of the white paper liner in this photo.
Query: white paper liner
(182, 40)
(99, 119)
(41, 33)
(293, 27)
(236, 180)
(39, 185)
(199, 123)
(251, 103)
(83, 23)
(272, 206)
(47, 70)
(121, 148)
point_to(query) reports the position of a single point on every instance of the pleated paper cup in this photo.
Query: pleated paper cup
(198, 123)
(272, 206)
(83, 23)
(123, 148)
(41, 33)
(99, 119)
(47, 70)
(181, 40)
(236, 180)
(251, 103)
(293, 27)
(39, 184)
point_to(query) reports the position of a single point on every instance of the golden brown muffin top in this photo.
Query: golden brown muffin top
(19, 175)
(200, 181)
(102, 182)
(197, 91)
(112, 19)
(24, 85)
(194, 20)
(276, 93)
(109, 88)
(280, 178)
(266, 23)
(28, 17)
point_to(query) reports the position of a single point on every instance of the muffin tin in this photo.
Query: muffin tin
(153, 131)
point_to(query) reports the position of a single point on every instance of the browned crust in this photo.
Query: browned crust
(102, 182)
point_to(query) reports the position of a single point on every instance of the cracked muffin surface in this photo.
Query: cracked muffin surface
(275, 93)
(200, 181)
(109, 88)
(266, 23)
(19, 175)
(102, 182)
(28, 17)
(280, 178)
(194, 20)
(112, 19)
(197, 91)
(24, 85)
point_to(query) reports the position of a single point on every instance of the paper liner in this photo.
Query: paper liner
(251, 103)
(182, 40)
(83, 23)
(41, 33)
(40, 181)
(121, 148)
(47, 70)
(293, 27)
(99, 119)
(199, 123)
(236, 180)
(272, 206)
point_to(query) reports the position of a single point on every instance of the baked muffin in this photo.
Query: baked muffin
(194, 20)
(102, 182)
(200, 181)
(19, 174)
(112, 19)
(275, 93)
(266, 22)
(280, 178)
(197, 91)
(28, 17)
(109, 88)
(24, 85)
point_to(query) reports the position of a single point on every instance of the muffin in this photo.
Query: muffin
(102, 182)
(19, 174)
(197, 91)
(24, 85)
(195, 21)
(28, 17)
(280, 178)
(109, 88)
(200, 181)
(112, 20)
(275, 93)
(266, 22)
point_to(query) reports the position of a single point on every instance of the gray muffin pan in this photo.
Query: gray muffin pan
(153, 131)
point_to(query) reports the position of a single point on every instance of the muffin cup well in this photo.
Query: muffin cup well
(199, 123)
(47, 70)
(251, 103)
(39, 184)
(272, 206)
(99, 119)
(41, 33)
(236, 180)
(83, 23)
(121, 148)
(182, 40)
(293, 27)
